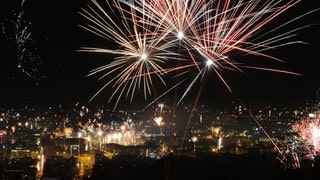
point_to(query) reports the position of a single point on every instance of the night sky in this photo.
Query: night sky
(59, 70)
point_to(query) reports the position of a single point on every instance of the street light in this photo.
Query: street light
(194, 139)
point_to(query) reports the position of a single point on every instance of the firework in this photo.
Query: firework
(213, 34)
(27, 60)
(176, 18)
(301, 142)
(214, 30)
(141, 54)
(309, 131)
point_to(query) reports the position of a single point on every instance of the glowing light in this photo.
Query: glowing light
(99, 133)
(311, 115)
(209, 62)
(194, 139)
(144, 56)
(219, 143)
(180, 35)
(158, 120)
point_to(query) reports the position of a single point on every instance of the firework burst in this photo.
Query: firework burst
(140, 57)
(301, 142)
(28, 61)
(213, 34)
(309, 130)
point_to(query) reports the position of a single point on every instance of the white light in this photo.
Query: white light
(194, 139)
(209, 62)
(311, 115)
(99, 133)
(158, 120)
(219, 143)
(144, 56)
(180, 35)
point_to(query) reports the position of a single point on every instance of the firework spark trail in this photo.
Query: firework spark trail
(141, 56)
(175, 17)
(22, 36)
(19, 33)
(25, 55)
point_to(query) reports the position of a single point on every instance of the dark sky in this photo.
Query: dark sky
(58, 70)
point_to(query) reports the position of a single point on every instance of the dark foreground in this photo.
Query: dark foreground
(213, 167)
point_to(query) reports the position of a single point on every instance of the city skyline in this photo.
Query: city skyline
(61, 70)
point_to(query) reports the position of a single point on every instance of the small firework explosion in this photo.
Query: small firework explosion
(302, 143)
(309, 131)
(17, 33)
